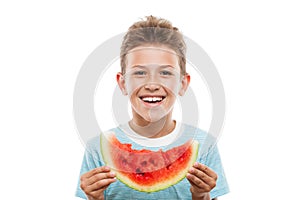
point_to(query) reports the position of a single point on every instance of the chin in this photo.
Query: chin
(154, 116)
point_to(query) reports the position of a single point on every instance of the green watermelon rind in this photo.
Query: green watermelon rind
(153, 188)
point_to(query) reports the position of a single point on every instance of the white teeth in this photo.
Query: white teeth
(152, 99)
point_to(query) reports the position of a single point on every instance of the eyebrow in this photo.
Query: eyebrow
(143, 66)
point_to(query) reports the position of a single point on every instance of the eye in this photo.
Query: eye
(166, 73)
(140, 73)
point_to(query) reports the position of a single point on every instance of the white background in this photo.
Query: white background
(255, 46)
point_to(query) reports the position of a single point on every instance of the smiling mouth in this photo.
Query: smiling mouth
(152, 99)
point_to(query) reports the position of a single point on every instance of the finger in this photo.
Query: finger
(198, 183)
(206, 170)
(202, 176)
(100, 176)
(95, 171)
(211, 182)
(195, 189)
(100, 185)
(97, 194)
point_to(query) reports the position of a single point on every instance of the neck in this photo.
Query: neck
(155, 129)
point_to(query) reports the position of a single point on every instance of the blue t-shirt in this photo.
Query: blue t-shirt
(119, 191)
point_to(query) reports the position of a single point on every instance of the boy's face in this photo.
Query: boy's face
(152, 81)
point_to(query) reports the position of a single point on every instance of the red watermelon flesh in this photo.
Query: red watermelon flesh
(146, 170)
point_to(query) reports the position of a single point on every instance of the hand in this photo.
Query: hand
(202, 180)
(94, 182)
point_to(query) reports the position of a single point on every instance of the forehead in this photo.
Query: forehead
(152, 55)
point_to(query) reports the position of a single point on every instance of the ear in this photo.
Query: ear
(185, 81)
(121, 83)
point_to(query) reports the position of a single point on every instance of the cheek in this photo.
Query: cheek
(132, 86)
(172, 86)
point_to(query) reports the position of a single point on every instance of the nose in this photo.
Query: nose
(152, 86)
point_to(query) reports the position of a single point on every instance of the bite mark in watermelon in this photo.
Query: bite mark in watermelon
(145, 170)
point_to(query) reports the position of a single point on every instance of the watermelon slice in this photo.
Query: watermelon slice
(145, 170)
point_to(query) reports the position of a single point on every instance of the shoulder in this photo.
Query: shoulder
(93, 145)
(94, 142)
(207, 142)
(194, 133)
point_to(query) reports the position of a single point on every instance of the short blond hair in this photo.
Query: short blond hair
(154, 31)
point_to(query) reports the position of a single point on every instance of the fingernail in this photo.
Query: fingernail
(112, 173)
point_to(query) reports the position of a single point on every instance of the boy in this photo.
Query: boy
(153, 74)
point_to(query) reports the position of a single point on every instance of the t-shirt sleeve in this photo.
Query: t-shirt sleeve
(91, 160)
(213, 161)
